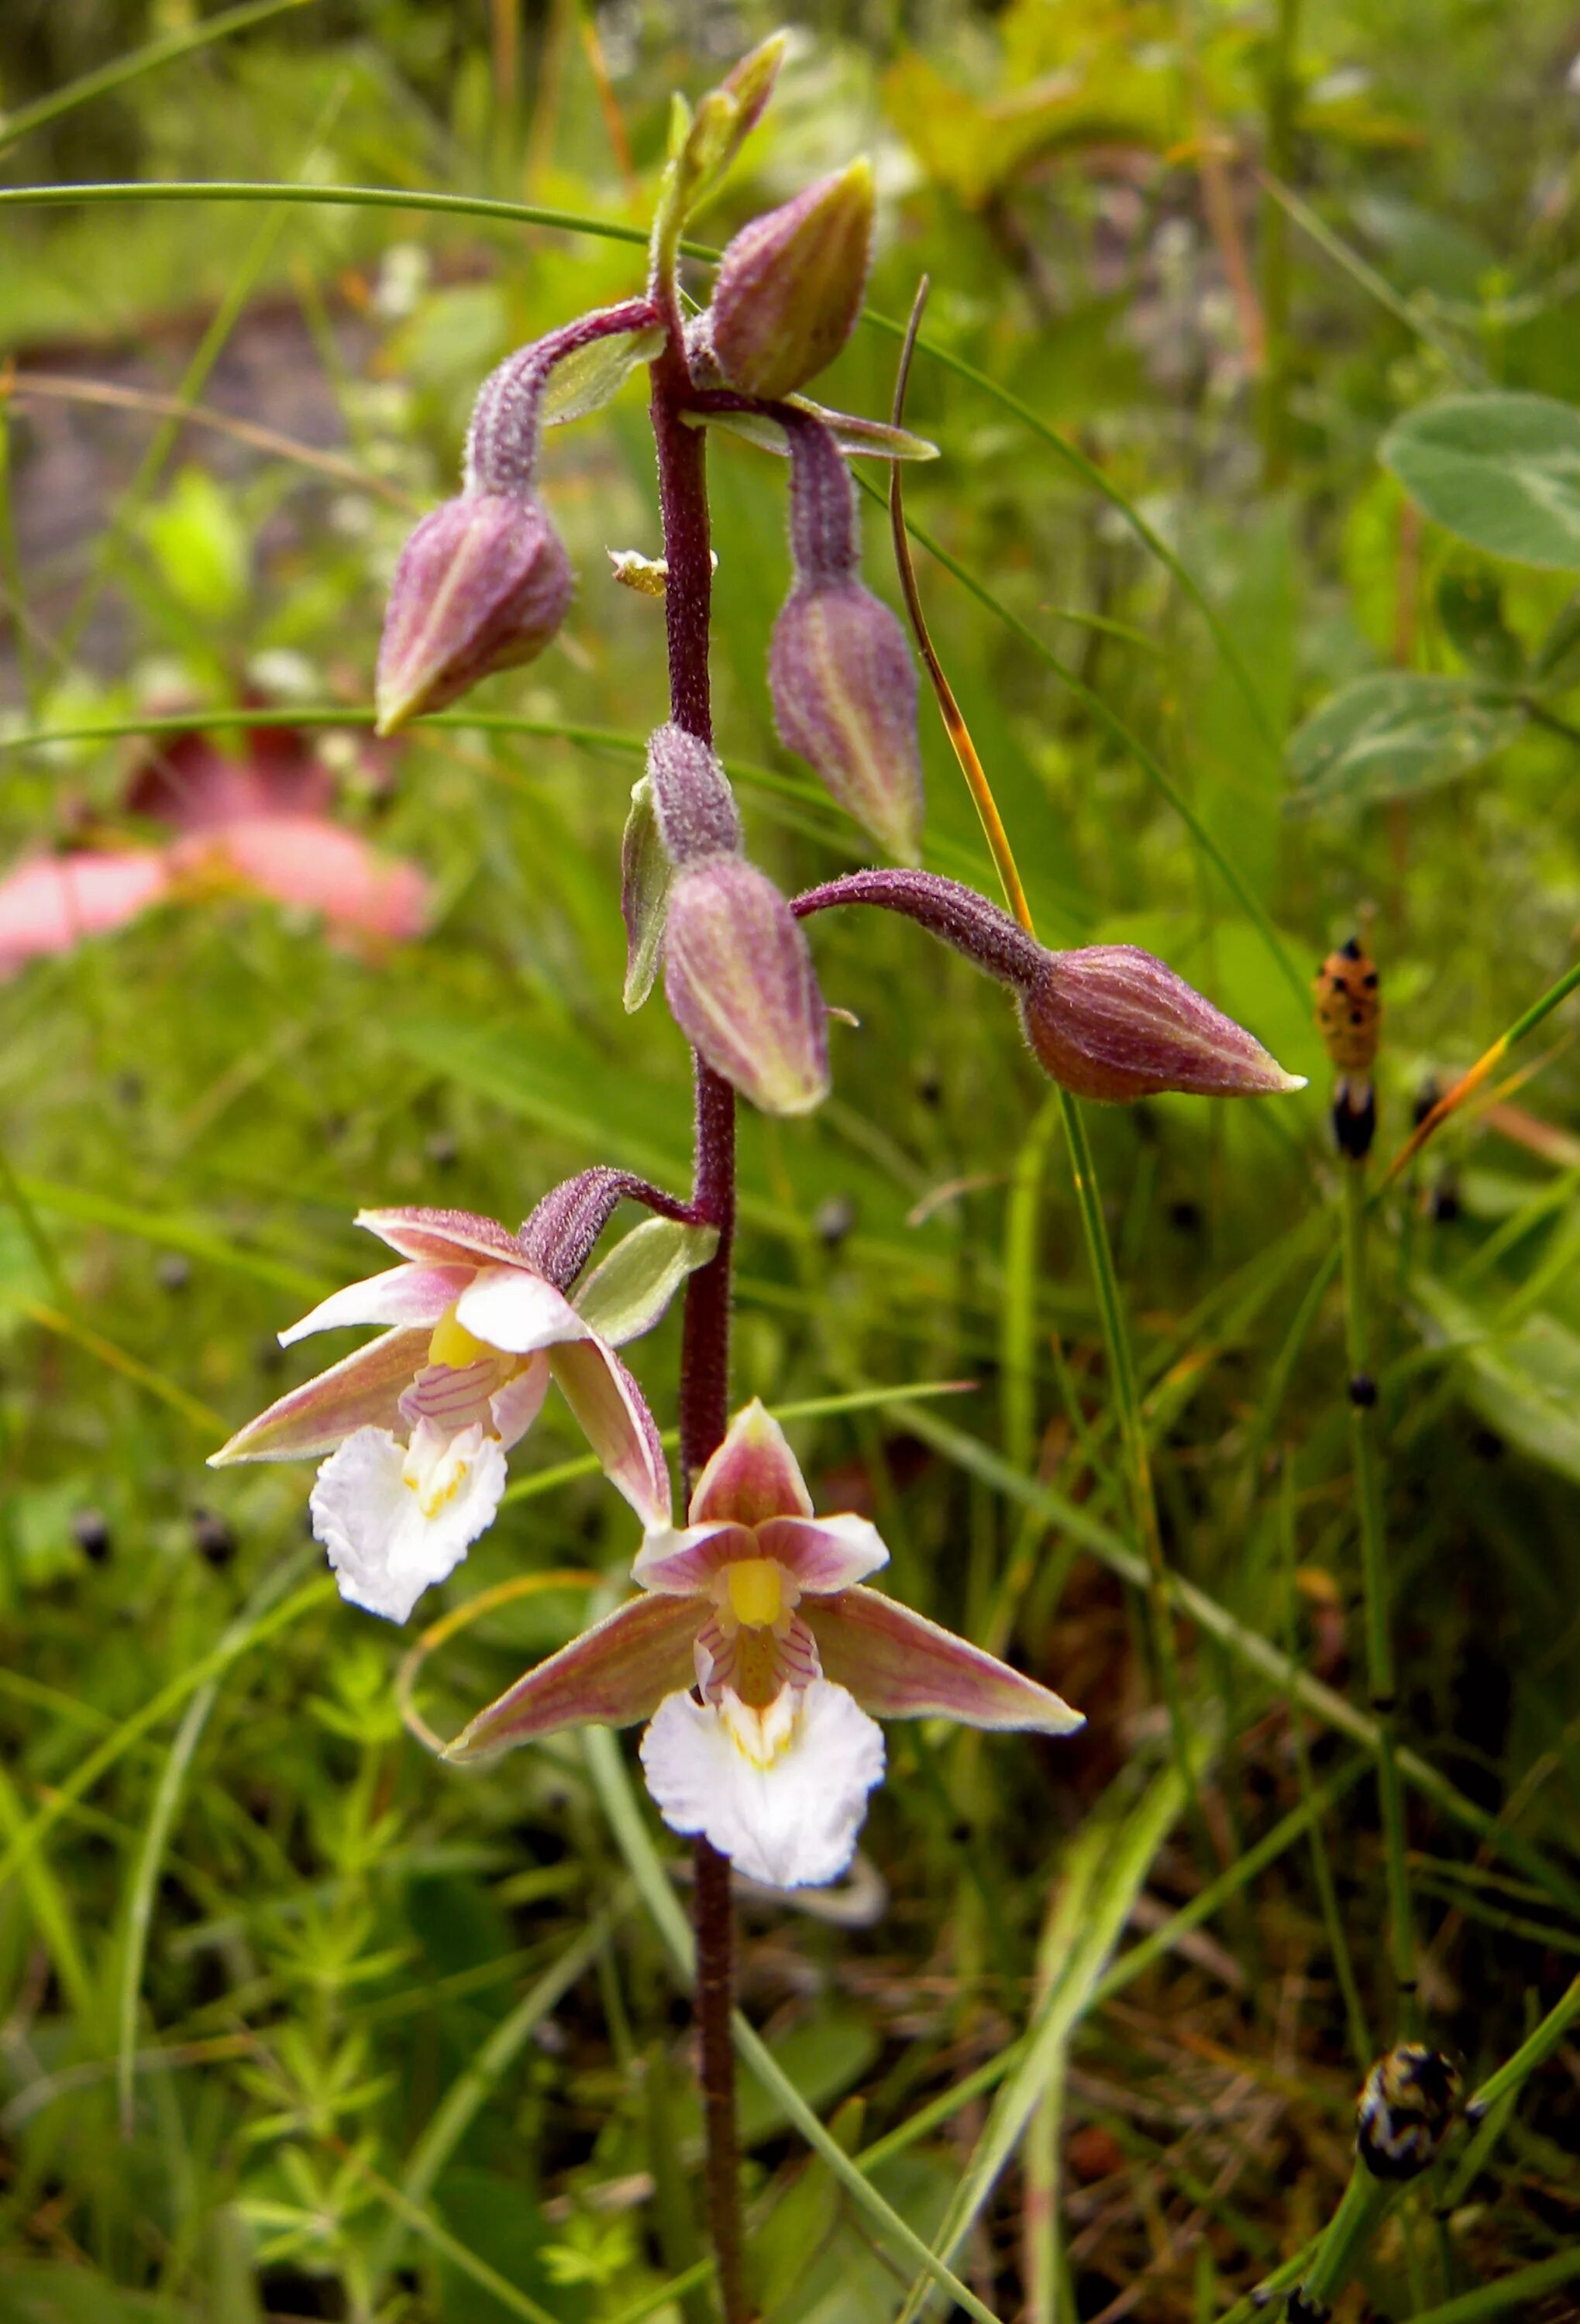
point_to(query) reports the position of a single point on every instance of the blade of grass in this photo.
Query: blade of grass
(171, 1231)
(1093, 477)
(104, 1351)
(51, 1912)
(1148, 761)
(1484, 1066)
(614, 1787)
(1115, 1850)
(148, 58)
(162, 1814)
(159, 1707)
(481, 2075)
(1247, 1645)
(424, 2225)
(1521, 2290)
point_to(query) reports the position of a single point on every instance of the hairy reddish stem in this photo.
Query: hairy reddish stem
(704, 1346)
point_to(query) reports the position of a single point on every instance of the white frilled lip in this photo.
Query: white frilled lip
(387, 1549)
(781, 1792)
(821, 1554)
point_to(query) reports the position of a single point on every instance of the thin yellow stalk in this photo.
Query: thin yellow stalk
(1088, 1199)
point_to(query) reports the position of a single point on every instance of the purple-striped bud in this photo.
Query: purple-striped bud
(482, 586)
(790, 285)
(739, 981)
(1111, 1021)
(844, 691)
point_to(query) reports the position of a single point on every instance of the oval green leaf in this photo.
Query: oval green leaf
(1502, 471)
(1396, 733)
(628, 1292)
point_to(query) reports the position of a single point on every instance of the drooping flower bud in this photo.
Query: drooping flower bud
(482, 586)
(790, 285)
(1111, 1021)
(844, 690)
(839, 671)
(739, 981)
(692, 799)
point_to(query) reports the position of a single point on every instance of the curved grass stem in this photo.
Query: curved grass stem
(1099, 1250)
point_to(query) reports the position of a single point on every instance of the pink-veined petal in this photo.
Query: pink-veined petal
(444, 1238)
(613, 1414)
(753, 1475)
(899, 1665)
(401, 1295)
(681, 1560)
(519, 1402)
(823, 1553)
(612, 1676)
(363, 1390)
(782, 1791)
(518, 1311)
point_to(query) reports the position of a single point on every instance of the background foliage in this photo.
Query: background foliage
(291, 2020)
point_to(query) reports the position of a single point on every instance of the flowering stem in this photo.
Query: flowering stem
(704, 1346)
(1381, 1683)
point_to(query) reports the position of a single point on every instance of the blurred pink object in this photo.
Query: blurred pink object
(309, 863)
(258, 822)
(51, 904)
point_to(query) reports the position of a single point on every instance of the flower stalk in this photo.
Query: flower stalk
(705, 1345)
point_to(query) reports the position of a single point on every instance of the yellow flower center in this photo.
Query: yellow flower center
(756, 1590)
(453, 1344)
(435, 1476)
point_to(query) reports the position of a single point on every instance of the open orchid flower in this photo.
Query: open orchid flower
(759, 1604)
(417, 1424)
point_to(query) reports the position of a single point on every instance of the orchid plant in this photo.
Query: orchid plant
(754, 1650)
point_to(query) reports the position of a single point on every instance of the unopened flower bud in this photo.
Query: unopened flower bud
(1108, 1021)
(844, 691)
(692, 799)
(790, 285)
(739, 981)
(1111, 1021)
(482, 586)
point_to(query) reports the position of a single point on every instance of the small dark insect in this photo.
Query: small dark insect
(1349, 1011)
(1406, 2108)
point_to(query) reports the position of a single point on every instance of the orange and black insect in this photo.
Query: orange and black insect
(1349, 1018)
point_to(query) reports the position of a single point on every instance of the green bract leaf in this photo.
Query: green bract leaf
(627, 1293)
(645, 875)
(875, 437)
(1398, 733)
(595, 374)
(1502, 471)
